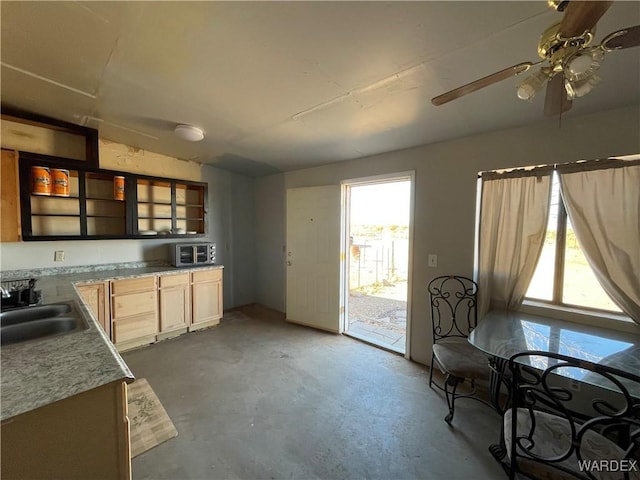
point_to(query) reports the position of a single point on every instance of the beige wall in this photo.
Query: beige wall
(270, 241)
(445, 192)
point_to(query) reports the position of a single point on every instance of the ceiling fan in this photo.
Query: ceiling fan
(569, 63)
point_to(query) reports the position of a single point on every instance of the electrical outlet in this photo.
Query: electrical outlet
(58, 256)
(433, 260)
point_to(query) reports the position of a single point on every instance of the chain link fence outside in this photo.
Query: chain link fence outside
(377, 261)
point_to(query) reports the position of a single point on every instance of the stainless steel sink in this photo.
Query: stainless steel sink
(45, 327)
(28, 314)
(37, 322)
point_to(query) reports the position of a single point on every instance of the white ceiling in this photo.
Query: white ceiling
(278, 86)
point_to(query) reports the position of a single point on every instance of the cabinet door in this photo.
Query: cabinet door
(94, 294)
(207, 301)
(10, 214)
(175, 311)
(79, 437)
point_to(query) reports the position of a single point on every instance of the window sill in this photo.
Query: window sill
(608, 320)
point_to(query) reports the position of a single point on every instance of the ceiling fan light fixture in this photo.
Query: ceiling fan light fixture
(584, 64)
(579, 88)
(189, 133)
(531, 85)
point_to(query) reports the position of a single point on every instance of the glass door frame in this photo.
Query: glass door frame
(345, 247)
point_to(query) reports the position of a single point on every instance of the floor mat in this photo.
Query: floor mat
(149, 423)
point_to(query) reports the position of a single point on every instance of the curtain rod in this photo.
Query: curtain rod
(569, 167)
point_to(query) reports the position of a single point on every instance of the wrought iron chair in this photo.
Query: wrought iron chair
(570, 429)
(453, 301)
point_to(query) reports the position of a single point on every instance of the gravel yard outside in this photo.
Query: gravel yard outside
(379, 315)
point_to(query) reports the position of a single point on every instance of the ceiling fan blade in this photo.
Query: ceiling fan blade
(481, 83)
(625, 38)
(556, 101)
(581, 16)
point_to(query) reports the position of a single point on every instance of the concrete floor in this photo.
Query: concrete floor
(257, 398)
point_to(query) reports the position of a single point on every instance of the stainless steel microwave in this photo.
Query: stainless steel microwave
(187, 254)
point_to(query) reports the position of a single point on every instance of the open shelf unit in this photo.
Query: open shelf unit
(190, 211)
(170, 207)
(152, 207)
(105, 214)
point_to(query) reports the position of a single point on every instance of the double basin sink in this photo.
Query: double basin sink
(29, 323)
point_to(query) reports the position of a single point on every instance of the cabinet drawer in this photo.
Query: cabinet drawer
(125, 329)
(173, 280)
(133, 285)
(95, 298)
(133, 304)
(207, 275)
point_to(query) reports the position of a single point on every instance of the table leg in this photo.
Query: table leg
(497, 380)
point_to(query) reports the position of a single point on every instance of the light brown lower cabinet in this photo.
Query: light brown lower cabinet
(175, 302)
(80, 437)
(141, 310)
(96, 297)
(134, 311)
(206, 297)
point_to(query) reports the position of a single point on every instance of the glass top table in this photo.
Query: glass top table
(502, 334)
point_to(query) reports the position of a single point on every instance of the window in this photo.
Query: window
(563, 276)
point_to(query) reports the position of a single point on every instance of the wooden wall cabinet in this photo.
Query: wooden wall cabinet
(105, 215)
(150, 207)
(10, 229)
(80, 437)
(175, 302)
(88, 211)
(96, 295)
(31, 132)
(134, 311)
(169, 206)
(206, 294)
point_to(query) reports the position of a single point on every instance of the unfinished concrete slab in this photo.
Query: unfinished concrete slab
(257, 397)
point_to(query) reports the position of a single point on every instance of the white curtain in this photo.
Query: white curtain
(513, 223)
(604, 208)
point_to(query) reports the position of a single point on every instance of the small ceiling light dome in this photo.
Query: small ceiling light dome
(189, 133)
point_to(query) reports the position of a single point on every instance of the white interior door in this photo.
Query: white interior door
(313, 256)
